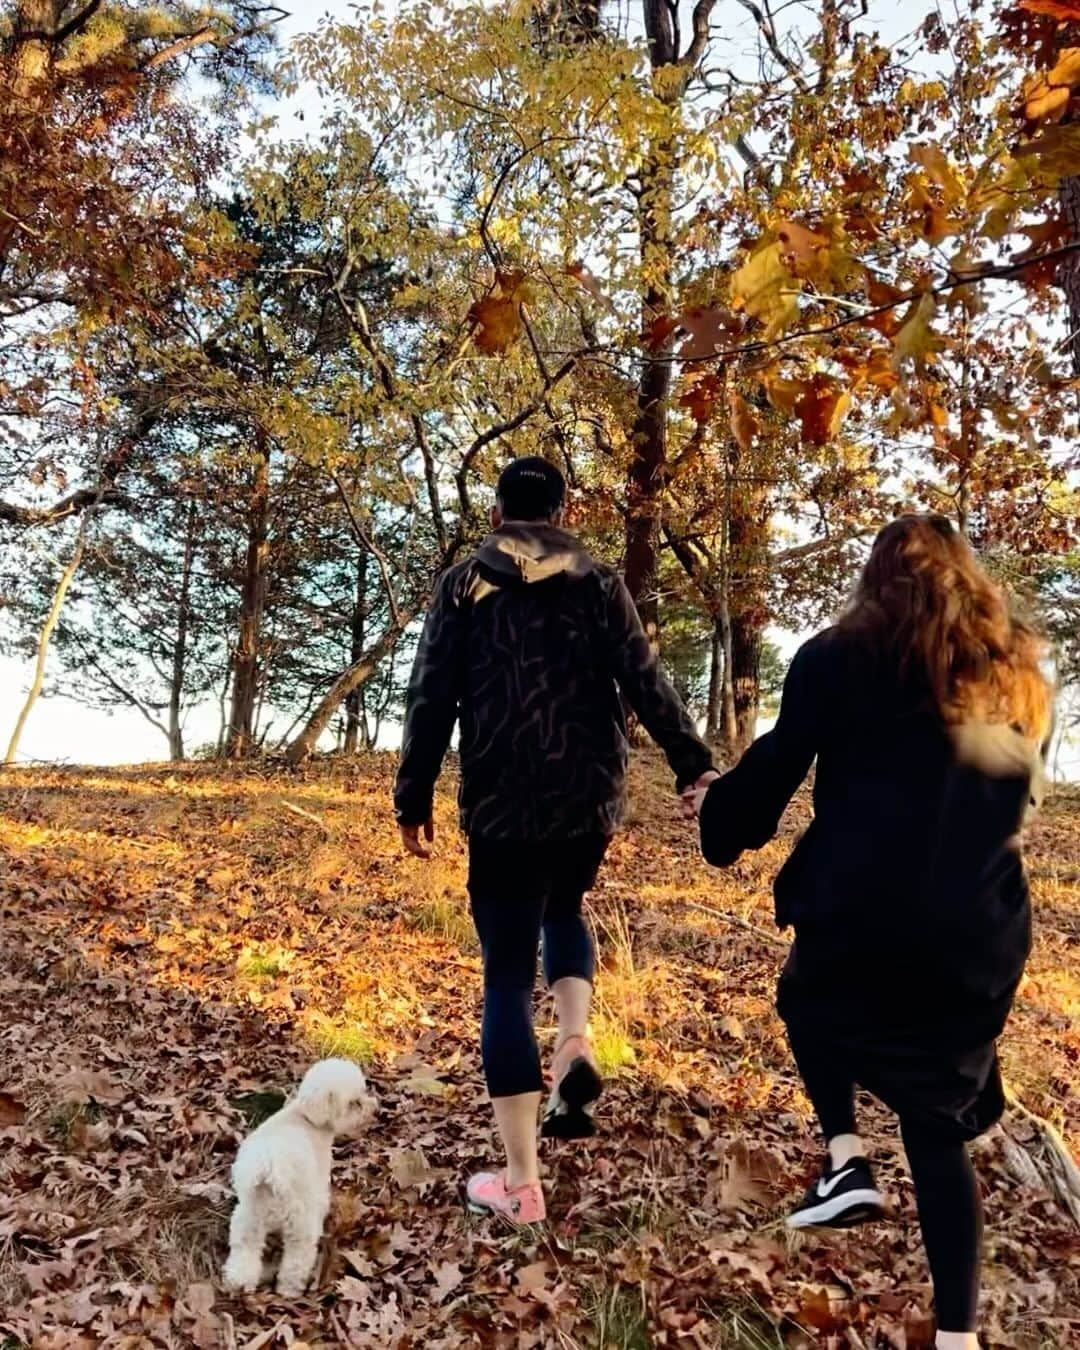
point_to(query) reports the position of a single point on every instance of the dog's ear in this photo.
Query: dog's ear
(321, 1105)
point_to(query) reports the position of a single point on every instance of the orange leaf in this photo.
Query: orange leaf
(587, 281)
(821, 408)
(1047, 95)
(1068, 11)
(497, 318)
(701, 397)
(658, 332)
(802, 247)
(745, 426)
(497, 322)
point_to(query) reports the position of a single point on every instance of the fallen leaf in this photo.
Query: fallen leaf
(12, 1111)
(448, 1277)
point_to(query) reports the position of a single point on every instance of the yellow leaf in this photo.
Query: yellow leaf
(915, 341)
(765, 289)
(935, 163)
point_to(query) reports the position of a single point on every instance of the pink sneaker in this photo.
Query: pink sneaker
(487, 1194)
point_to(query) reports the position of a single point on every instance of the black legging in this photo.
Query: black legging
(946, 1189)
(521, 892)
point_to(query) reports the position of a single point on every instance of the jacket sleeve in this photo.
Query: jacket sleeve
(431, 706)
(743, 808)
(648, 691)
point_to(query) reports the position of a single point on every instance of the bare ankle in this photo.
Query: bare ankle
(957, 1340)
(843, 1148)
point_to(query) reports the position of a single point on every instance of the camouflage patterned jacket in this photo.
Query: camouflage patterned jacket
(527, 643)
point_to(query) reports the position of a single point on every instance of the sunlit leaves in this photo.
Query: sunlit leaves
(765, 288)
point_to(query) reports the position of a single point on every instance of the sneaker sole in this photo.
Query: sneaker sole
(842, 1211)
(579, 1086)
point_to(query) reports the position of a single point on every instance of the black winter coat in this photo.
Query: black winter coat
(528, 643)
(907, 893)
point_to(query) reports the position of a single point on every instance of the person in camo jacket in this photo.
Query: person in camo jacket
(528, 644)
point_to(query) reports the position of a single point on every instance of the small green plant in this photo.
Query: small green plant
(619, 1318)
(443, 917)
(746, 1326)
(69, 1117)
(614, 1051)
(263, 963)
(340, 1040)
(256, 1107)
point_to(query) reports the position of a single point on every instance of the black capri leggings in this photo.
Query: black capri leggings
(946, 1189)
(520, 893)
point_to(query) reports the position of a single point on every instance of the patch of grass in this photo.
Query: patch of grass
(263, 963)
(614, 1050)
(67, 1120)
(340, 1040)
(745, 1326)
(256, 1107)
(619, 1318)
(443, 917)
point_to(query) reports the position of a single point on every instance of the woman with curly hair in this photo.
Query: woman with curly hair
(925, 708)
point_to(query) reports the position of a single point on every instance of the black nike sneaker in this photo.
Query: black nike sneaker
(840, 1198)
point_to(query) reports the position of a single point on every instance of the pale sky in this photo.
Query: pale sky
(63, 730)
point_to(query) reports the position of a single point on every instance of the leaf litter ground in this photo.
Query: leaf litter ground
(179, 943)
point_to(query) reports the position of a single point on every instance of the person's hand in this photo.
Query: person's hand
(410, 838)
(694, 795)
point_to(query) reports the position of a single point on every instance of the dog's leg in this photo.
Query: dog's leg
(247, 1237)
(300, 1248)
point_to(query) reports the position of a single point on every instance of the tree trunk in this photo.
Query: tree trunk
(183, 624)
(728, 729)
(747, 636)
(245, 681)
(354, 701)
(716, 684)
(645, 474)
(1069, 272)
(355, 677)
(748, 561)
(52, 619)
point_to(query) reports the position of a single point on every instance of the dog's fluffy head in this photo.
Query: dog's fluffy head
(334, 1096)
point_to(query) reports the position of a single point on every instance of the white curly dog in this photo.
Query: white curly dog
(282, 1176)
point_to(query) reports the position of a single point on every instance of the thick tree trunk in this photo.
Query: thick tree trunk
(354, 701)
(183, 625)
(748, 560)
(352, 678)
(747, 636)
(49, 627)
(245, 679)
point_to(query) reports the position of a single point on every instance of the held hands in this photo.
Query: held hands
(694, 795)
(410, 838)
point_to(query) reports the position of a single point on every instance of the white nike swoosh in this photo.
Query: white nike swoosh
(826, 1188)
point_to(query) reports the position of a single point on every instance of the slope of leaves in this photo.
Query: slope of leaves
(180, 943)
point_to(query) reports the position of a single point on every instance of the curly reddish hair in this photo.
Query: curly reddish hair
(926, 606)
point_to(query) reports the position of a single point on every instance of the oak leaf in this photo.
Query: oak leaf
(915, 341)
(709, 329)
(765, 288)
(497, 318)
(821, 408)
(1047, 94)
(701, 397)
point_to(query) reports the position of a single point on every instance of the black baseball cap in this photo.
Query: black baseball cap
(530, 489)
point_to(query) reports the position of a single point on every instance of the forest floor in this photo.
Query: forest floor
(180, 942)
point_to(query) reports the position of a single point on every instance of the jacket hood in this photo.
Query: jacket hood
(526, 552)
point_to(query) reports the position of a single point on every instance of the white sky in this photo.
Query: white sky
(63, 730)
